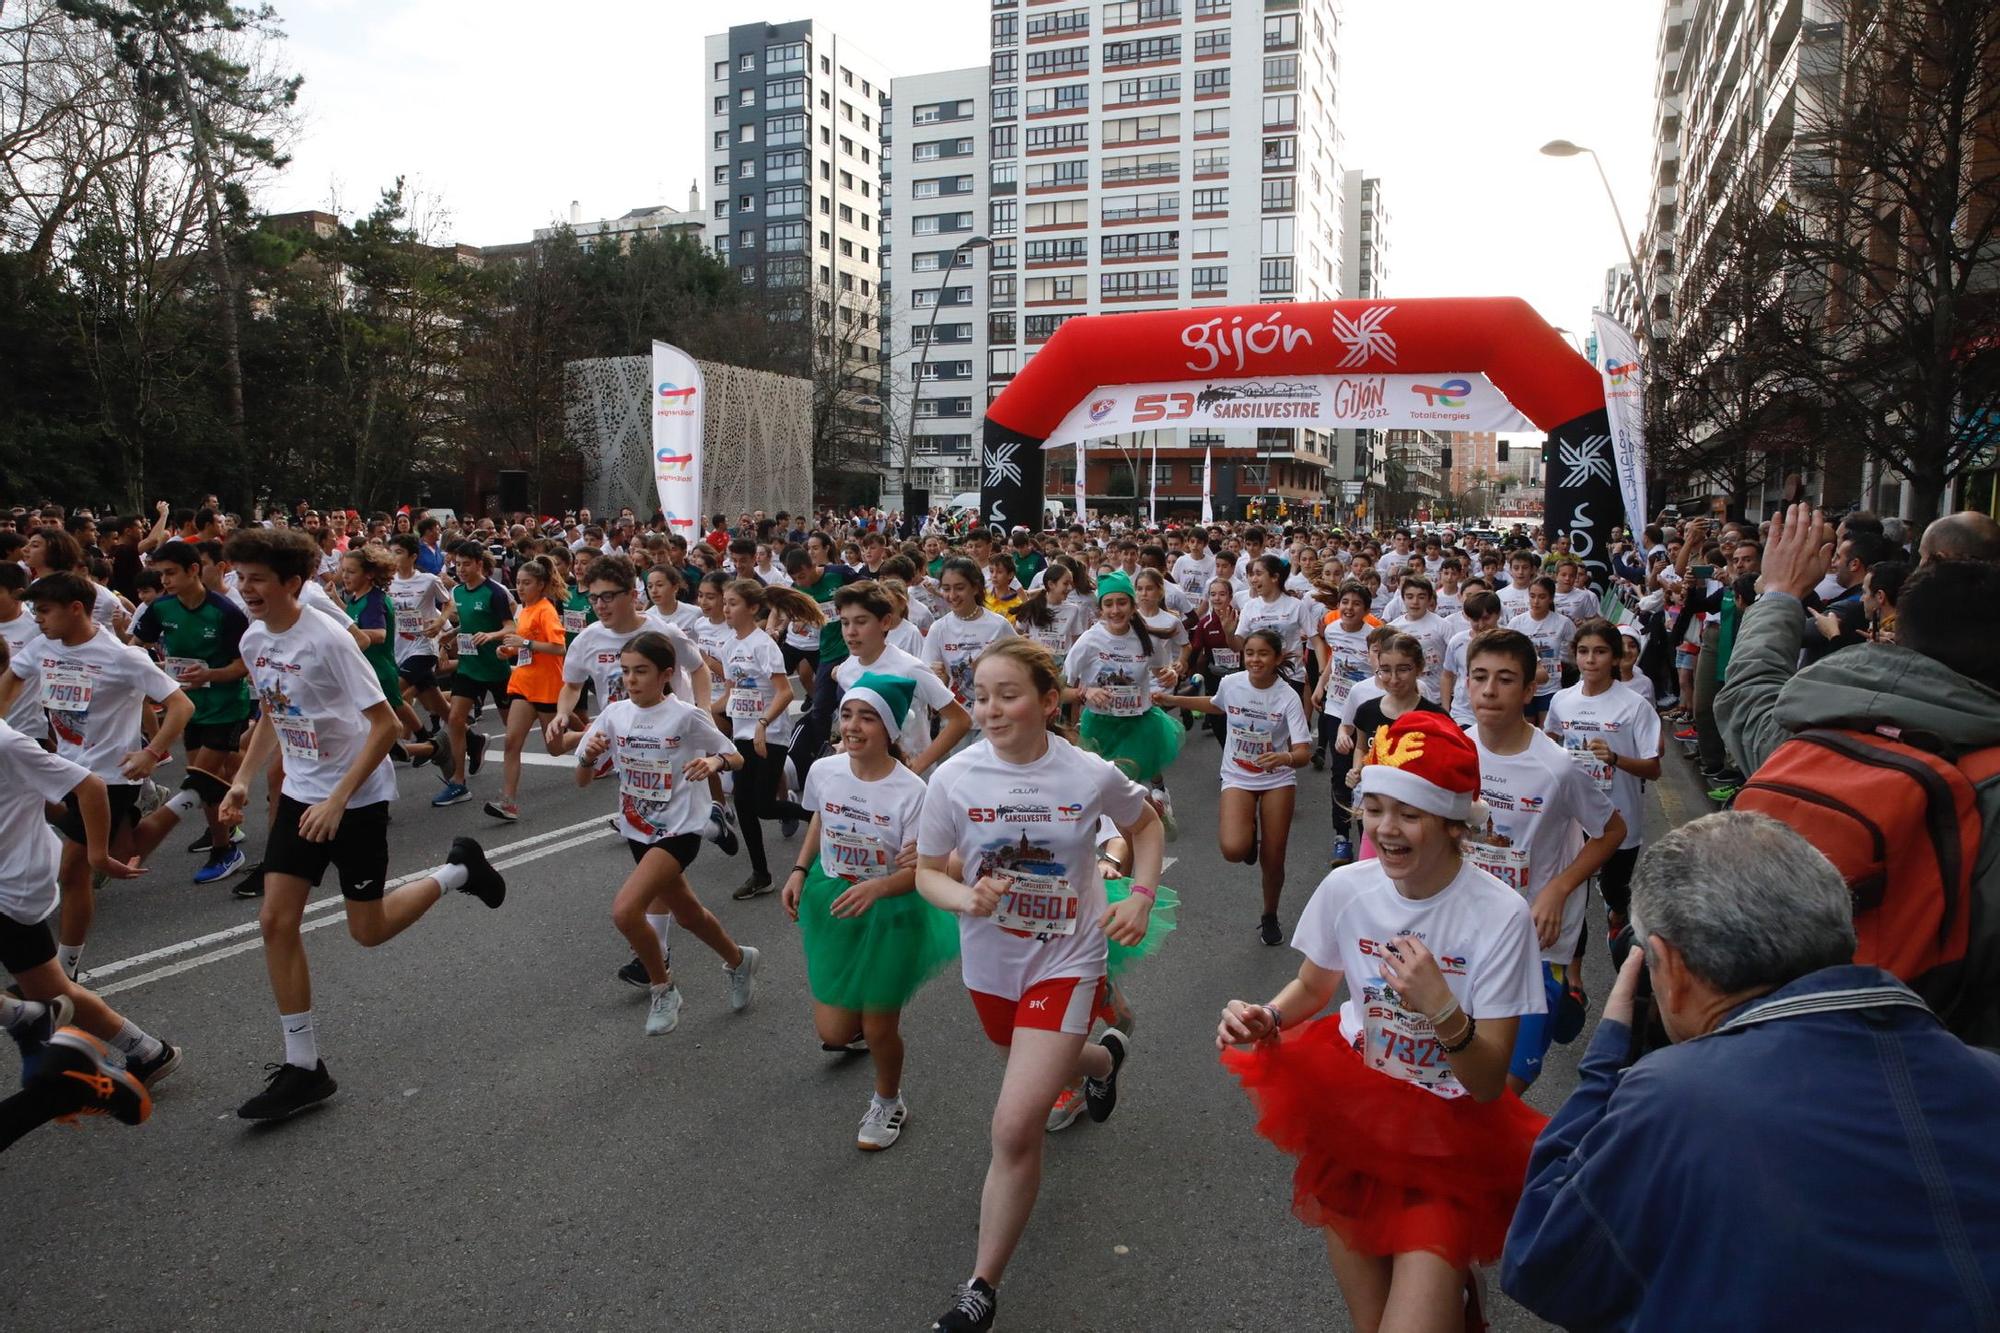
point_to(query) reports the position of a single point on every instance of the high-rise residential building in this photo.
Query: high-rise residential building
(1360, 462)
(1138, 155)
(1645, 299)
(1475, 461)
(795, 162)
(1417, 475)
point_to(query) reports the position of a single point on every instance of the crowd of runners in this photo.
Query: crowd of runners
(962, 741)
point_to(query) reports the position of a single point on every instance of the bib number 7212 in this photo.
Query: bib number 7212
(1163, 407)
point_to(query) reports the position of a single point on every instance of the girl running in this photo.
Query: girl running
(661, 750)
(1053, 615)
(365, 575)
(1114, 669)
(1411, 1151)
(756, 700)
(1399, 666)
(1211, 650)
(1268, 741)
(663, 589)
(956, 640)
(870, 940)
(536, 644)
(712, 631)
(1018, 813)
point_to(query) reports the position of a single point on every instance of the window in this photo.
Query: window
(943, 407)
(934, 113)
(746, 239)
(1000, 327)
(926, 297)
(1073, 174)
(1058, 213)
(1281, 153)
(748, 97)
(789, 165)
(847, 248)
(948, 333)
(1141, 129)
(1157, 88)
(1281, 113)
(847, 149)
(847, 213)
(721, 70)
(746, 133)
(1141, 51)
(1280, 73)
(1163, 475)
(1053, 291)
(1005, 28)
(1001, 255)
(1281, 32)
(1211, 44)
(784, 131)
(722, 247)
(1126, 208)
(785, 238)
(847, 77)
(1058, 138)
(1001, 174)
(1278, 194)
(1000, 217)
(1211, 124)
(1061, 23)
(1212, 200)
(1211, 161)
(1059, 98)
(1000, 289)
(786, 202)
(722, 175)
(1275, 236)
(721, 104)
(1006, 66)
(1194, 474)
(1003, 363)
(1131, 13)
(1069, 250)
(746, 62)
(933, 149)
(934, 186)
(935, 224)
(722, 141)
(1211, 82)
(930, 261)
(945, 370)
(746, 170)
(785, 95)
(1141, 167)
(1211, 9)
(1210, 240)
(1274, 277)
(1041, 328)
(1006, 103)
(1139, 244)
(789, 58)
(1001, 142)
(745, 203)
(1059, 60)
(722, 208)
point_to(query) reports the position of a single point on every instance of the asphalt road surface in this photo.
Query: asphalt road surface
(509, 1150)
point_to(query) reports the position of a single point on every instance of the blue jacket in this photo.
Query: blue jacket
(1801, 1167)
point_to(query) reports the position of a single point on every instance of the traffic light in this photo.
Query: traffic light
(1503, 451)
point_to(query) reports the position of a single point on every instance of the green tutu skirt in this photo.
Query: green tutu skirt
(876, 961)
(1166, 909)
(1141, 747)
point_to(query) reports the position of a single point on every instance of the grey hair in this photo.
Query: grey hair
(1747, 901)
(1897, 531)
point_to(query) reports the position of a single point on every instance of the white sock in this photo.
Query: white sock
(663, 987)
(69, 957)
(17, 1014)
(301, 1042)
(887, 1103)
(135, 1044)
(183, 803)
(662, 926)
(451, 877)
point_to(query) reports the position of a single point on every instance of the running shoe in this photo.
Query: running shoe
(289, 1090)
(882, 1126)
(151, 797)
(252, 883)
(1724, 794)
(721, 828)
(482, 881)
(1687, 734)
(743, 979)
(1319, 756)
(752, 887)
(154, 1071)
(1571, 1010)
(441, 755)
(220, 866)
(205, 844)
(1166, 806)
(507, 811)
(399, 755)
(1100, 1096)
(1343, 851)
(84, 1068)
(663, 1014)
(858, 1046)
(34, 1035)
(789, 826)
(452, 793)
(634, 974)
(475, 751)
(1268, 929)
(1069, 1105)
(972, 1312)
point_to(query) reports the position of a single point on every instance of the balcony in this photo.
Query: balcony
(1136, 212)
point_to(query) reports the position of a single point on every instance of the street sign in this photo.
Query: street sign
(1350, 490)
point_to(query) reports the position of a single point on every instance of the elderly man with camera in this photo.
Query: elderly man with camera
(1808, 1148)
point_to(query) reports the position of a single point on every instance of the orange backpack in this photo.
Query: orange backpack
(1903, 827)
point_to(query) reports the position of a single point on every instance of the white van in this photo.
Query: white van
(1054, 512)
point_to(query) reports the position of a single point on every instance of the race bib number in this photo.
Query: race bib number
(1248, 743)
(182, 669)
(1036, 904)
(1509, 865)
(853, 856)
(1051, 638)
(747, 703)
(297, 736)
(1593, 768)
(572, 622)
(1124, 700)
(1402, 1044)
(650, 781)
(66, 689)
(1225, 659)
(463, 645)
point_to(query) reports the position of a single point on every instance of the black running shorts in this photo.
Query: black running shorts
(359, 851)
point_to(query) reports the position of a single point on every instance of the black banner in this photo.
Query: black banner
(1582, 501)
(1010, 478)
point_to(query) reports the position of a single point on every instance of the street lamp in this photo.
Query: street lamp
(923, 359)
(1564, 148)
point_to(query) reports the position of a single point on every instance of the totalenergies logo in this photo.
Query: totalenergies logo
(1620, 371)
(665, 457)
(1452, 393)
(674, 401)
(668, 389)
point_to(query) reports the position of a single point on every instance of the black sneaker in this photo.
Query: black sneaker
(482, 880)
(34, 1038)
(1268, 929)
(972, 1312)
(203, 845)
(80, 1067)
(151, 1072)
(289, 1090)
(252, 883)
(1319, 757)
(634, 973)
(1100, 1097)
(475, 752)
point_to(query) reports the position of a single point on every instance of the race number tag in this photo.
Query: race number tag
(1051, 638)
(1225, 659)
(1509, 865)
(853, 856)
(1124, 700)
(748, 702)
(66, 689)
(182, 669)
(464, 646)
(297, 736)
(1249, 741)
(1593, 768)
(1036, 904)
(645, 779)
(572, 622)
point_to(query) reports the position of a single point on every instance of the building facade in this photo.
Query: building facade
(1360, 460)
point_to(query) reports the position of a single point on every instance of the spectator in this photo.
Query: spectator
(1964, 536)
(1882, 591)
(1822, 1157)
(1842, 618)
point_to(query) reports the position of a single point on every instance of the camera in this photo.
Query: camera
(1649, 1034)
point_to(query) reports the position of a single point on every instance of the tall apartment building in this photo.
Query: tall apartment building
(1138, 155)
(1416, 467)
(795, 162)
(1647, 297)
(1360, 461)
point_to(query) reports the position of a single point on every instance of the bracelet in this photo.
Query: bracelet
(1454, 1047)
(1277, 1019)
(1439, 1018)
(799, 870)
(157, 756)
(1138, 889)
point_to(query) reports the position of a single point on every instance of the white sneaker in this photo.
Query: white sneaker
(743, 979)
(882, 1126)
(1167, 822)
(663, 1015)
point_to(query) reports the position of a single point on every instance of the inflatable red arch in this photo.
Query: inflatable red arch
(1525, 358)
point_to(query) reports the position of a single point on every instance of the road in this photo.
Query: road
(508, 1149)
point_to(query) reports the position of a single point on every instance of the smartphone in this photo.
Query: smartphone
(1795, 489)
(1702, 573)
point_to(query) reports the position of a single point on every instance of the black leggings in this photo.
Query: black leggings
(1614, 880)
(756, 798)
(34, 1106)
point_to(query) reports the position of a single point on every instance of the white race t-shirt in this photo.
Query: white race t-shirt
(93, 695)
(1461, 688)
(906, 636)
(1513, 603)
(30, 850)
(418, 600)
(1292, 620)
(649, 748)
(313, 683)
(1348, 664)
(748, 664)
(712, 636)
(1068, 619)
(863, 826)
(1553, 635)
(1034, 826)
(931, 693)
(1543, 809)
(1480, 934)
(25, 716)
(955, 643)
(593, 657)
(1118, 664)
(1192, 575)
(1579, 604)
(1259, 722)
(1625, 722)
(1435, 635)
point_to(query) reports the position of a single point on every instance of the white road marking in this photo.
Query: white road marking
(245, 937)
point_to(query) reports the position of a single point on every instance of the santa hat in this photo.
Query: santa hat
(888, 695)
(1424, 760)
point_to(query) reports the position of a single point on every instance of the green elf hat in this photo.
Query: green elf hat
(1117, 581)
(889, 696)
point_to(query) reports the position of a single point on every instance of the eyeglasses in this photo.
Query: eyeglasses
(606, 598)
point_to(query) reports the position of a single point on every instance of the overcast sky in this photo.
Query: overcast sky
(502, 111)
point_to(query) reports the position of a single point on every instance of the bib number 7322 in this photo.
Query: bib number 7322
(1163, 407)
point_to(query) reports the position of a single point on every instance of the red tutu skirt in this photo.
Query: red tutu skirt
(1391, 1168)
